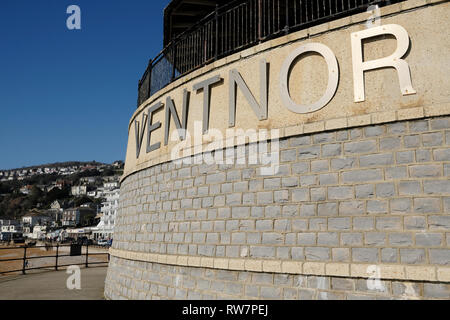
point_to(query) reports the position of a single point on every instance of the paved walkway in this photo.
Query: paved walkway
(51, 285)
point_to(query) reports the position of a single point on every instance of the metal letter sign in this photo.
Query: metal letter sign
(237, 81)
(333, 78)
(139, 133)
(260, 108)
(152, 127)
(394, 61)
(172, 111)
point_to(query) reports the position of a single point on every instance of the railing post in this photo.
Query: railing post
(174, 59)
(139, 94)
(259, 20)
(24, 266)
(286, 28)
(87, 255)
(216, 54)
(150, 65)
(57, 251)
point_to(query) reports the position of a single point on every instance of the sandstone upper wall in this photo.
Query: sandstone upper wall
(427, 25)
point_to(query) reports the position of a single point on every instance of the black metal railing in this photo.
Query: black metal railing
(25, 259)
(238, 25)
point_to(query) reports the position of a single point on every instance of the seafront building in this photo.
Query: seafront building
(286, 149)
(73, 217)
(105, 229)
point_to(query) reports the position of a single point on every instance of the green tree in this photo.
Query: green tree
(36, 194)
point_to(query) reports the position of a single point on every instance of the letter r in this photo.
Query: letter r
(395, 60)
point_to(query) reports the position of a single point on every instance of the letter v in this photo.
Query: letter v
(139, 133)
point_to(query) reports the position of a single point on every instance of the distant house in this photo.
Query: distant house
(92, 194)
(90, 205)
(88, 180)
(78, 217)
(50, 188)
(110, 178)
(58, 205)
(99, 193)
(56, 210)
(118, 164)
(61, 184)
(105, 229)
(27, 231)
(78, 190)
(26, 189)
(9, 231)
(4, 222)
(11, 226)
(111, 185)
(39, 232)
(35, 218)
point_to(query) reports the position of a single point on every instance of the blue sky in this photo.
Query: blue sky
(69, 94)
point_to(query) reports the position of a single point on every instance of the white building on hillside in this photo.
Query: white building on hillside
(105, 228)
(9, 227)
(39, 233)
(111, 185)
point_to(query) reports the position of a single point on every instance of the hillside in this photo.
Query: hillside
(57, 165)
(37, 189)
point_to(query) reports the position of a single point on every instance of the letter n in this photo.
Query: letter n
(237, 81)
(172, 111)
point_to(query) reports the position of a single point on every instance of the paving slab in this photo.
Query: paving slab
(52, 285)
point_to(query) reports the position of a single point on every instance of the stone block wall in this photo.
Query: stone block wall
(375, 195)
(130, 279)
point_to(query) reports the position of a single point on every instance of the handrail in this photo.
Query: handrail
(238, 25)
(25, 258)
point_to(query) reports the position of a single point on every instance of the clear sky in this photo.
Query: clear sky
(67, 95)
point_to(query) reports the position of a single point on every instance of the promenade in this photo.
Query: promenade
(51, 285)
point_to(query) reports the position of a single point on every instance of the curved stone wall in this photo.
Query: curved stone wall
(358, 208)
(133, 279)
(342, 201)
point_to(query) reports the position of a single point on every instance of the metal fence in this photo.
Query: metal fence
(25, 258)
(238, 25)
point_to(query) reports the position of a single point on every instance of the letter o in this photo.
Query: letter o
(333, 78)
